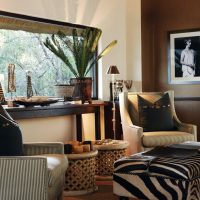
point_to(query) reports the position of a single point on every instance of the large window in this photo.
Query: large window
(21, 44)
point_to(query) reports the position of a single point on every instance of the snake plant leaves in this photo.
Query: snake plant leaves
(103, 53)
(81, 48)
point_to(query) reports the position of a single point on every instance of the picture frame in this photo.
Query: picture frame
(184, 57)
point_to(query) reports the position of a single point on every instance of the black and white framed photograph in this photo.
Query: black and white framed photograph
(184, 57)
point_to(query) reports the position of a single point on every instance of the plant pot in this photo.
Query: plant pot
(83, 88)
(64, 91)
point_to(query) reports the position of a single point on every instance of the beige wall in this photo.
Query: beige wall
(133, 42)
(118, 19)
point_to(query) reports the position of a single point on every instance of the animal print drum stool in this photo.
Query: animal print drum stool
(161, 174)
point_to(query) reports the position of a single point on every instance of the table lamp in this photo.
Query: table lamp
(112, 70)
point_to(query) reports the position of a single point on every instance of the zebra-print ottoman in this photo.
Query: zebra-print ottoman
(158, 177)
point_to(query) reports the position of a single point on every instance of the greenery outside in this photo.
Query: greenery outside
(27, 51)
(78, 53)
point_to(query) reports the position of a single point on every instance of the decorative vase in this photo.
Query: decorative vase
(64, 91)
(83, 89)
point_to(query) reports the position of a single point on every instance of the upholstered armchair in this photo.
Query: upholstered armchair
(38, 175)
(136, 109)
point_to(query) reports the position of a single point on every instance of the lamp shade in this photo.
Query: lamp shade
(113, 70)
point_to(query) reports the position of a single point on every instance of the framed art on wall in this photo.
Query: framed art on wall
(184, 57)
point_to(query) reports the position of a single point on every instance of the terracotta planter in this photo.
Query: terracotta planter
(83, 88)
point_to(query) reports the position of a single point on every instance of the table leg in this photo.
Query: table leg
(79, 128)
(97, 124)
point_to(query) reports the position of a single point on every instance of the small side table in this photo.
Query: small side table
(108, 153)
(80, 174)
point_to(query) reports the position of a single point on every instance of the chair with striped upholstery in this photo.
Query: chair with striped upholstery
(163, 128)
(38, 175)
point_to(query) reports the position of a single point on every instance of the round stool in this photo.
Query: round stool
(80, 174)
(108, 153)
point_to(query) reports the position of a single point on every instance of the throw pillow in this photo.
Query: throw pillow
(10, 136)
(156, 116)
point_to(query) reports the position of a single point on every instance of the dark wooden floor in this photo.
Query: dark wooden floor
(104, 192)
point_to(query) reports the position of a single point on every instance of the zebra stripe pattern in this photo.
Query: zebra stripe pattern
(157, 178)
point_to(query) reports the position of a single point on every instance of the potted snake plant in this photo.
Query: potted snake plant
(81, 56)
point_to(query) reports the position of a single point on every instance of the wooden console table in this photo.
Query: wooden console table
(61, 109)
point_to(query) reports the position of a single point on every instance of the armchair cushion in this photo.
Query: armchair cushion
(156, 116)
(161, 138)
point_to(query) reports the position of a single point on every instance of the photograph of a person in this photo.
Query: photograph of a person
(188, 59)
(184, 65)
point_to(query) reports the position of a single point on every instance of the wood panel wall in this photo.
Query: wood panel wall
(158, 17)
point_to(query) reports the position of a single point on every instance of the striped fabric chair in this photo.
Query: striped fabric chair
(140, 139)
(38, 175)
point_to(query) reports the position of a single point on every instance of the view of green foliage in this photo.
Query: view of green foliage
(27, 52)
(82, 46)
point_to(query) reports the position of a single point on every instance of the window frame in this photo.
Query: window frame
(4, 14)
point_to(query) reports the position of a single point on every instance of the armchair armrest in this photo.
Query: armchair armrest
(23, 177)
(133, 134)
(39, 148)
(189, 128)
